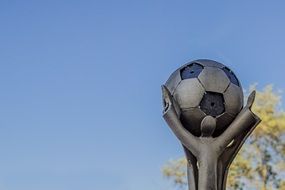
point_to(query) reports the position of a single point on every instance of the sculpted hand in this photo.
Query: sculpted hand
(171, 117)
(245, 120)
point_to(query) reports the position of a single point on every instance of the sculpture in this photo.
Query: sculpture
(209, 156)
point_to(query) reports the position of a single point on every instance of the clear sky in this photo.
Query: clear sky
(80, 101)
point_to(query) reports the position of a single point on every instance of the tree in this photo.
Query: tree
(260, 163)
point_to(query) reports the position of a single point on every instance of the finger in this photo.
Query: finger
(167, 98)
(165, 92)
(165, 89)
(250, 99)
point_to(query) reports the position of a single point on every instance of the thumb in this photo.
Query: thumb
(250, 99)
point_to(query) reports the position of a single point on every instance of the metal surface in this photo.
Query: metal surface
(234, 99)
(214, 79)
(211, 141)
(223, 122)
(191, 119)
(213, 104)
(173, 81)
(185, 89)
(191, 71)
(231, 76)
(209, 63)
(188, 92)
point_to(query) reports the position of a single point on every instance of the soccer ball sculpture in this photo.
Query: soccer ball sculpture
(205, 87)
(203, 106)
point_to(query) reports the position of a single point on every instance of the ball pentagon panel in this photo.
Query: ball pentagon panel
(212, 104)
(191, 71)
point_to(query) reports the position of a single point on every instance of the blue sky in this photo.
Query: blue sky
(80, 101)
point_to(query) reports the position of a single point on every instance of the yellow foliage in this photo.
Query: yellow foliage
(267, 108)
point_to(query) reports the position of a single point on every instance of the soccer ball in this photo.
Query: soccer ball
(205, 87)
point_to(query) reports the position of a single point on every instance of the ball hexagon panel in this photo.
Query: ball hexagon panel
(212, 104)
(191, 118)
(231, 76)
(214, 79)
(191, 71)
(233, 99)
(173, 81)
(209, 63)
(189, 93)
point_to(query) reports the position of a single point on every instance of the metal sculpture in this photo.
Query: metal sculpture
(212, 125)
